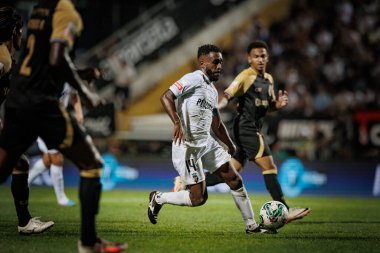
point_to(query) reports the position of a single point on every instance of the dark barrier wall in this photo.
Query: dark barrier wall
(342, 178)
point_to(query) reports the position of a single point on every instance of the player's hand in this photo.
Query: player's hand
(178, 133)
(282, 98)
(231, 149)
(79, 118)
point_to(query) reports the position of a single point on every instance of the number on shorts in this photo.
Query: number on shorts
(25, 69)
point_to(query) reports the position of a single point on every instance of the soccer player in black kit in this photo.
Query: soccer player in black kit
(33, 109)
(10, 41)
(254, 89)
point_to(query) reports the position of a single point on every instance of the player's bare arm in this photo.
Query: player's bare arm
(224, 101)
(75, 101)
(220, 131)
(64, 69)
(167, 100)
(281, 102)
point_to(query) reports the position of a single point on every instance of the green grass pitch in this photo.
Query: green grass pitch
(336, 224)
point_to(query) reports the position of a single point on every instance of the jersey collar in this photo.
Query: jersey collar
(205, 78)
(257, 73)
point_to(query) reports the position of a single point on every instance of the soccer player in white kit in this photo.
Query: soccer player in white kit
(52, 158)
(194, 114)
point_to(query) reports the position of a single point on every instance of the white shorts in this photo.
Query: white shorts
(189, 161)
(42, 146)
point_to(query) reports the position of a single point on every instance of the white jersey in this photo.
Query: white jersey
(65, 95)
(197, 98)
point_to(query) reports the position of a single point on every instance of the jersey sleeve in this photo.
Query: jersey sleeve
(236, 88)
(67, 23)
(182, 86)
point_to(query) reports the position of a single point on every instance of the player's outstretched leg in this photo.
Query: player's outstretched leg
(269, 170)
(241, 198)
(196, 196)
(297, 213)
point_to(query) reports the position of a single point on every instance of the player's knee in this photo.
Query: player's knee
(235, 183)
(22, 164)
(198, 200)
(205, 197)
(56, 159)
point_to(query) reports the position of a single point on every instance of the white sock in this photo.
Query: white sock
(181, 198)
(36, 170)
(56, 173)
(243, 202)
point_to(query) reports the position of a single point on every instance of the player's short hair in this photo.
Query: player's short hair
(9, 19)
(208, 48)
(257, 44)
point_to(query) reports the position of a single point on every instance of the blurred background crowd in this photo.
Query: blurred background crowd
(324, 53)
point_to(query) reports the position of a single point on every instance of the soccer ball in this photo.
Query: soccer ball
(273, 214)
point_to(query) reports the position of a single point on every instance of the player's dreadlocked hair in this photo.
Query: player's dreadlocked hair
(9, 19)
(257, 44)
(208, 48)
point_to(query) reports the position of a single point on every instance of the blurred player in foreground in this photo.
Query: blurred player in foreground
(33, 109)
(10, 41)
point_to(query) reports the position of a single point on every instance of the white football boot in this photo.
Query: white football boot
(296, 213)
(35, 226)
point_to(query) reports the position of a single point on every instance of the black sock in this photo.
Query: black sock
(89, 194)
(213, 179)
(274, 188)
(20, 192)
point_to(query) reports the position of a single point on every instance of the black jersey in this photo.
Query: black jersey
(34, 81)
(6, 63)
(255, 92)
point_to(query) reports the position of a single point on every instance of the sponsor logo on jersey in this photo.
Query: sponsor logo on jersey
(178, 85)
(204, 104)
(259, 102)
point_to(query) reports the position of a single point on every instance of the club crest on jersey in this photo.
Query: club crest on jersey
(233, 84)
(195, 177)
(178, 85)
(70, 31)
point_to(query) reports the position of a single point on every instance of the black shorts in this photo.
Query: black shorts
(250, 143)
(49, 120)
